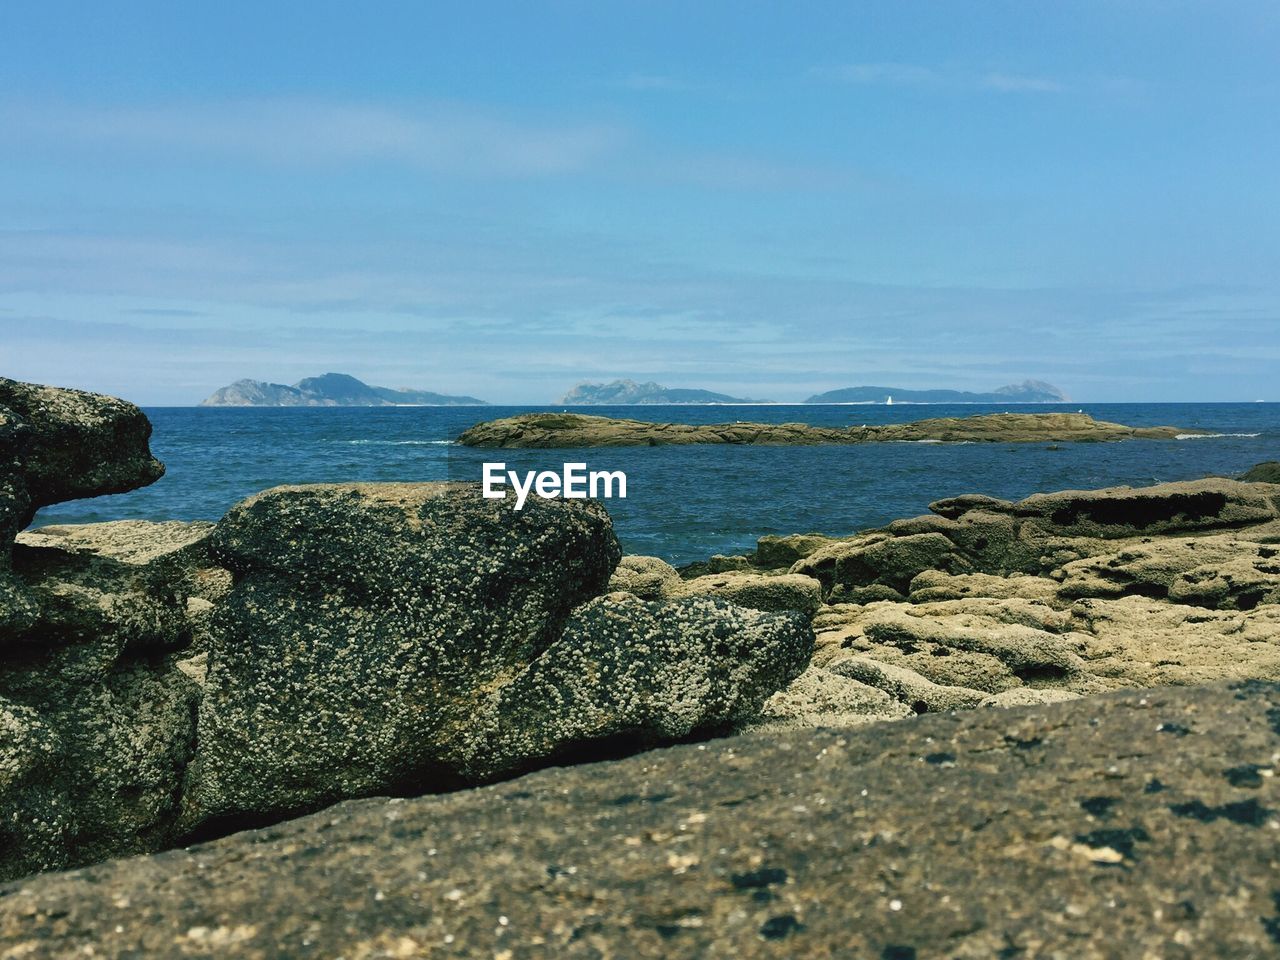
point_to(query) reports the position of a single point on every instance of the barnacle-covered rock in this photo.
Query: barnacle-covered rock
(628, 672)
(368, 627)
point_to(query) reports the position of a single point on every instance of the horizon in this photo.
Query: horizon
(509, 199)
(720, 403)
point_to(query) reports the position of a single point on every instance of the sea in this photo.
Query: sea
(684, 503)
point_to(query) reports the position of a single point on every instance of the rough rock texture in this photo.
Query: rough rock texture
(820, 697)
(554, 430)
(1219, 572)
(78, 444)
(1061, 594)
(788, 591)
(368, 626)
(103, 720)
(95, 724)
(60, 445)
(626, 671)
(1138, 825)
(772, 552)
(651, 578)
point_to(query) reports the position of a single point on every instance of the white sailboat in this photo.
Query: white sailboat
(888, 401)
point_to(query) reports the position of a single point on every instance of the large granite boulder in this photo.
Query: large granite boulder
(326, 642)
(1134, 825)
(367, 629)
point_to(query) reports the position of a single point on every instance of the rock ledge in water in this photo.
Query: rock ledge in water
(554, 430)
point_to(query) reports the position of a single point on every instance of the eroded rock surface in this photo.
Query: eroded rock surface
(641, 673)
(651, 578)
(1141, 824)
(77, 444)
(1062, 594)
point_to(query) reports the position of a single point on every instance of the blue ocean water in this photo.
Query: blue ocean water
(684, 503)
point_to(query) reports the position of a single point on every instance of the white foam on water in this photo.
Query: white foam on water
(398, 443)
(1211, 436)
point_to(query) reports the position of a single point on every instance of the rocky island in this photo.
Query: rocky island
(1028, 391)
(551, 430)
(1004, 728)
(630, 392)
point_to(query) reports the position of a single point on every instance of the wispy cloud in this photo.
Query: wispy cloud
(892, 74)
(923, 77)
(1019, 83)
(439, 137)
(658, 82)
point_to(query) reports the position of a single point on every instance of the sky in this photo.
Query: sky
(766, 199)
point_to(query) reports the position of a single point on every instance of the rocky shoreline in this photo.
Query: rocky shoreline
(163, 684)
(555, 430)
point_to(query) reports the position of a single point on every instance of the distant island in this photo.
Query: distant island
(1029, 391)
(628, 391)
(328, 390)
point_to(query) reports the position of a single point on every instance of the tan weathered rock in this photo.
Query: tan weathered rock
(890, 561)
(821, 698)
(1221, 572)
(787, 591)
(781, 552)
(933, 585)
(904, 685)
(649, 578)
(1139, 642)
(1026, 697)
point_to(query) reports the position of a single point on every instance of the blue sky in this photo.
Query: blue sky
(503, 199)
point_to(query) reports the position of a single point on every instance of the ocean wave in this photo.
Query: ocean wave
(398, 443)
(1210, 436)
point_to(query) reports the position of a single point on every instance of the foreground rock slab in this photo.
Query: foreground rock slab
(1139, 825)
(552, 430)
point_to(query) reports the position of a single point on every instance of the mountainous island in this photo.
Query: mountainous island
(628, 391)
(328, 390)
(1029, 391)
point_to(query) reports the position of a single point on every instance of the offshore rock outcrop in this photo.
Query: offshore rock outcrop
(556, 430)
(1139, 824)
